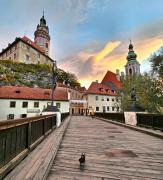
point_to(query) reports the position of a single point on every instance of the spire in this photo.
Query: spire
(42, 20)
(130, 47)
(131, 53)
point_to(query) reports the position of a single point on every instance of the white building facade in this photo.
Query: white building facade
(103, 103)
(101, 98)
(21, 102)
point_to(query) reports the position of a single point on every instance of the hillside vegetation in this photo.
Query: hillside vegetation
(32, 75)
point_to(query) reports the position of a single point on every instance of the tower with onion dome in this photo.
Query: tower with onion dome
(41, 35)
(132, 66)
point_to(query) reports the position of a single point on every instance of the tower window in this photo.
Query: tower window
(46, 45)
(130, 71)
(15, 56)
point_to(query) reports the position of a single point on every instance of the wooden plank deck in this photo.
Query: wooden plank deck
(112, 152)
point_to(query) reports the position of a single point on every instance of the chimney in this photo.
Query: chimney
(117, 74)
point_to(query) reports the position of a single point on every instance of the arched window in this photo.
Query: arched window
(130, 71)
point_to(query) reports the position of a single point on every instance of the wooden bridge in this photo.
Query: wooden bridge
(112, 152)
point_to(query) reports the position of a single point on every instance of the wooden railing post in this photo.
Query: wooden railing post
(29, 136)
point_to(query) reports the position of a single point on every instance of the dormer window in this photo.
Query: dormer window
(112, 91)
(17, 91)
(101, 89)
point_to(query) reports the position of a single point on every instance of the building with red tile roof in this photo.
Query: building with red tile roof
(102, 98)
(17, 92)
(98, 88)
(18, 102)
(110, 79)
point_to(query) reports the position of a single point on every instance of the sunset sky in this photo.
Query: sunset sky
(88, 37)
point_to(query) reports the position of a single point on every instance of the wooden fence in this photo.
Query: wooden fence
(18, 137)
(119, 117)
(154, 121)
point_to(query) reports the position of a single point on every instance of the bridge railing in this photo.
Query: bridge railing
(18, 137)
(64, 115)
(154, 121)
(148, 120)
(119, 117)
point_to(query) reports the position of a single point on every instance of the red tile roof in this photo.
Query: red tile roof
(31, 43)
(16, 92)
(111, 77)
(98, 88)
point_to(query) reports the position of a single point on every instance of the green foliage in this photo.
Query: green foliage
(148, 91)
(33, 74)
(67, 77)
(157, 64)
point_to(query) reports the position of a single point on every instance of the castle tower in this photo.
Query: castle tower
(42, 37)
(132, 66)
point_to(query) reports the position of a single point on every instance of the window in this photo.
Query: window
(96, 98)
(102, 99)
(58, 105)
(117, 99)
(15, 56)
(112, 108)
(17, 91)
(117, 109)
(25, 104)
(112, 99)
(107, 99)
(36, 104)
(23, 115)
(27, 58)
(97, 108)
(107, 108)
(12, 104)
(38, 55)
(103, 108)
(46, 45)
(10, 116)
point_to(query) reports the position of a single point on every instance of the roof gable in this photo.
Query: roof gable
(98, 88)
(110, 77)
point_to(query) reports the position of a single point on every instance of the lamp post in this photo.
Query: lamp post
(54, 81)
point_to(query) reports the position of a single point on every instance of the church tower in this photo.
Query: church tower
(132, 67)
(42, 37)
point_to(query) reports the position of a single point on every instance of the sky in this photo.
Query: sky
(88, 37)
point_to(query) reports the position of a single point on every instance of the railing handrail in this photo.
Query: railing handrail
(18, 122)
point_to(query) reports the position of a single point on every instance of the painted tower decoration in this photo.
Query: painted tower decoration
(132, 67)
(42, 37)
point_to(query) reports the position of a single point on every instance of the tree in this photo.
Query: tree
(157, 64)
(148, 91)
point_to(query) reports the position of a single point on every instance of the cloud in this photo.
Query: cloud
(87, 63)
(110, 46)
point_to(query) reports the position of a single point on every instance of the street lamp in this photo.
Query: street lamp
(54, 81)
